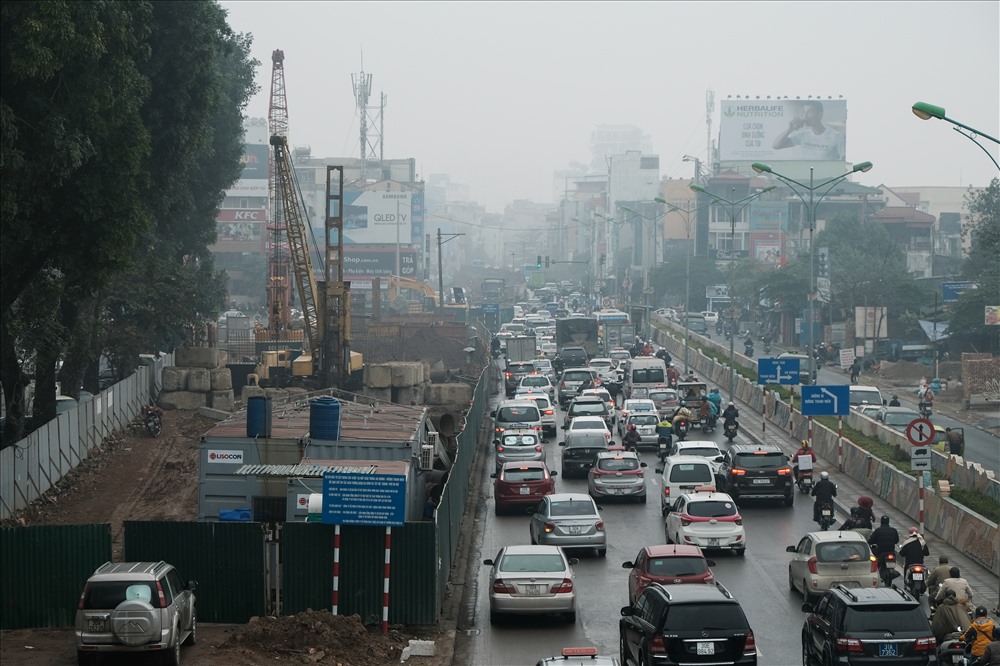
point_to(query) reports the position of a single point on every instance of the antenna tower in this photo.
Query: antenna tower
(371, 120)
(279, 286)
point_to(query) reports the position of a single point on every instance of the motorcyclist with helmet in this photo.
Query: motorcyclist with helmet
(731, 414)
(949, 616)
(824, 491)
(682, 412)
(631, 438)
(980, 633)
(716, 399)
(707, 412)
(858, 523)
(883, 540)
(912, 550)
(805, 451)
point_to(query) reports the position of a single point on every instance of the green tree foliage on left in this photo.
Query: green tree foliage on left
(120, 129)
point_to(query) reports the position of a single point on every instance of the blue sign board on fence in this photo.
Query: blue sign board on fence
(951, 291)
(778, 371)
(826, 400)
(364, 499)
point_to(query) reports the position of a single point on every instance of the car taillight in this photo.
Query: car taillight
(685, 521)
(666, 492)
(538, 447)
(785, 471)
(501, 587)
(82, 596)
(812, 565)
(874, 563)
(159, 594)
(750, 646)
(736, 471)
(564, 587)
(500, 448)
(549, 412)
(849, 645)
(927, 644)
(657, 645)
(738, 520)
(599, 526)
(549, 527)
(509, 375)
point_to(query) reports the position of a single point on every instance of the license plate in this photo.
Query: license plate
(574, 529)
(918, 576)
(957, 658)
(762, 482)
(518, 425)
(96, 626)
(533, 590)
(827, 513)
(618, 491)
(888, 649)
(524, 491)
(706, 648)
(713, 542)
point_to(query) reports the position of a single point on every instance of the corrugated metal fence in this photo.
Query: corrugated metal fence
(33, 465)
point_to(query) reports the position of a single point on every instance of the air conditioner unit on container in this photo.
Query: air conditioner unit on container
(426, 457)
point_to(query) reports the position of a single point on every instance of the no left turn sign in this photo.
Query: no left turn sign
(920, 432)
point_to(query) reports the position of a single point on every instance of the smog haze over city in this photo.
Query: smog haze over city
(501, 95)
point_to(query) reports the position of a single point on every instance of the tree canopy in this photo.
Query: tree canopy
(982, 266)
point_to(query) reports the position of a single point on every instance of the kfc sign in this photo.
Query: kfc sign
(242, 215)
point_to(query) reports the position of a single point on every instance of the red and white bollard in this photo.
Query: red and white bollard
(920, 500)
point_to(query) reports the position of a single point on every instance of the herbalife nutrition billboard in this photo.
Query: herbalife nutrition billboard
(810, 130)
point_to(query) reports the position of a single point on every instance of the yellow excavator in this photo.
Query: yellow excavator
(422, 297)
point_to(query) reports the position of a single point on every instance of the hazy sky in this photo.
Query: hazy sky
(500, 94)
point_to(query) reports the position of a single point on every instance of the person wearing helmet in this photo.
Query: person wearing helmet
(980, 633)
(949, 616)
(954, 581)
(731, 414)
(682, 411)
(716, 398)
(857, 523)
(824, 491)
(805, 451)
(936, 577)
(631, 438)
(866, 503)
(912, 550)
(883, 539)
(991, 655)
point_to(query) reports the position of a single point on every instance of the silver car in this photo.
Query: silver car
(570, 520)
(531, 580)
(135, 607)
(617, 474)
(518, 446)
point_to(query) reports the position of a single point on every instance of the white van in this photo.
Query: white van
(642, 374)
(520, 414)
(684, 474)
(869, 394)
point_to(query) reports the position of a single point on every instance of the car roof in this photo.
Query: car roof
(865, 387)
(110, 571)
(579, 438)
(588, 398)
(639, 401)
(750, 448)
(523, 549)
(677, 460)
(836, 535)
(695, 592)
(587, 418)
(532, 464)
(708, 495)
(567, 497)
(875, 595)
(673, 549)
(692, 443)
(900, 410)
(618, 454)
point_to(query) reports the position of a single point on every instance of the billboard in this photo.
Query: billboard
(870, 322)
(810, 130)
(951, 292)
(769, 216)
(380, 217)
(368, 261)
(253, 180)
(768, 252)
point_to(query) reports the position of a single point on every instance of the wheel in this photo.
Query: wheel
(193, 636)
(642, 499)
(742, 552)
(496, 509)
(666, 536)
(534, 542)
(86, 658)
(790, 499)
(791, 582)
(806, 661)
(602, 552)
(570, 617)
(495, 617)
(172, 655)
(806, 597)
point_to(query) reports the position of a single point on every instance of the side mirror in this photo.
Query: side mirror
(496, 442)
(562, 443)
(192, 585)
(884, 401)
(626, 611)
(488, 563)
(807, 608)
(790, 549)
(493, 475)
(628, 565)
(642, 464)
(553, 474)
(573, 560)
(710, 563)
(719, 459)
(493, 413)
(658, 470)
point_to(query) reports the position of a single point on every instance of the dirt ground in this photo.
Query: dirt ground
(125, 479)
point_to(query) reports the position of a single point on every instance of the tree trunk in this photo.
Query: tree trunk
(77, 317)
(14, 381)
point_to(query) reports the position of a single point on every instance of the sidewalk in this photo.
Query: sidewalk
(984, 584)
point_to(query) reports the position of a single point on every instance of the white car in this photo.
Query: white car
(633, 405)
(590, 423)
(605, 370)
(709, 520)
(548, 349)
(547, 410)
(544, 367)
(711, 318)
(534, 384)
(692, 447)
(823, 559)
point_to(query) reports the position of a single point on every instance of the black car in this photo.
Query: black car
(868, 625)
(581, 448)
(573, 357)
(686, 623)
(756, 471)
(512, 376)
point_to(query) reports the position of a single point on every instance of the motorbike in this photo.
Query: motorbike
(826, 518)
(152, 419)
(681, 426)
(748, 349)
(914, 581)
(925, 409)
(887, 568)
(953, 650)
(805, 482)
(662, 446)
(730, 428)
(708, 424)
(767, 347)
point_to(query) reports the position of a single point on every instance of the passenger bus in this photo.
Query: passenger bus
(615, 328)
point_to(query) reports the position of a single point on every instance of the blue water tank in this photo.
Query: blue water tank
(324, 418)
(259, 416)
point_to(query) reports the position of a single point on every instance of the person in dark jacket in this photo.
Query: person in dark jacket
(731, 414)
(949, 617)
(865, 504)
(884, 539)
(824, 491)
(914, 548)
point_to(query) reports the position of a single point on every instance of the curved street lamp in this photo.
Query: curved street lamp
(926, 111)
(812, 204)
(735, 207)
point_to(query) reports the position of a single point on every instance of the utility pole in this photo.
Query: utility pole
(441, 242)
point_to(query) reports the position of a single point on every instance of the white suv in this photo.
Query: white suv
(135, 607)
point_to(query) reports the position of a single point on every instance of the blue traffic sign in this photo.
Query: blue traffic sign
(364, 499)
(826, 400)
(778, 371)
(491, 308)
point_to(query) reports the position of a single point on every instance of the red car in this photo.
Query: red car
(667, 564)
(521, 485)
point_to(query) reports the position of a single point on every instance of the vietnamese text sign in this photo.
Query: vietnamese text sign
(826, 400)
(781, 129)
(778, 371)
(378, 261)
(952, 291)
(364, 499)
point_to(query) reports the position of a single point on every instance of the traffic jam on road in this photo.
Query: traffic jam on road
(721, 567)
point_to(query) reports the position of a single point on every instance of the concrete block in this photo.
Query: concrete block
(199, 379)
(222, 379)
(174, 378)
(197, 357)
(378, 394)
(407, 374)
(449, 394)
(187, 400)
(944, 488)
(378, 375)
(278, 396)
(214, 414)
(223, 400)
(407, 395)
(417, 649)
(250, 391)
(223, 358)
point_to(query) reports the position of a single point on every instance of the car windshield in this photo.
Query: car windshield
(573, 508)
(519, 440)
(532, 562)
(662, 396)
(692, 617)
(617, 464)
(535, 380)
(640, 407)
(871, 397)
(840, 551)
(703, 451)
(587, 424)
(524, 474)
(543, 403)
(690, 473)
(600, 364)
(518, 413)
(760, 460)
(711, 509)
(588, 409)
(573, 376)
(520, 367)
(900, 418)
(643, 419)
(888, 618)
(676, 566)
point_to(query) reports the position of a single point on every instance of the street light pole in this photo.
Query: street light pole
(812, 204)
(441, 242)
(926, 111)
(733, 212)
